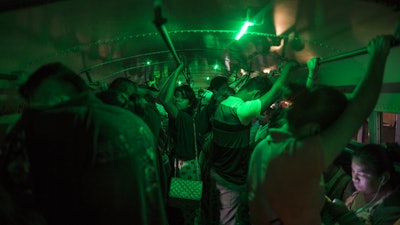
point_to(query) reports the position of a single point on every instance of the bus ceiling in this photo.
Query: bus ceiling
(144, 40)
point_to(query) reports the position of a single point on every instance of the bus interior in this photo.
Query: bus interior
(144, 41)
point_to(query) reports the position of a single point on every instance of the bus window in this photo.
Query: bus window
(390, 129)
(380, 127)
(362, 135)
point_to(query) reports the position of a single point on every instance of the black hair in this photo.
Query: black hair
(188, 92)
(217, 82)
(259, 83)
(320, 104)
(122, 84)
(380, 159)
(57, 71)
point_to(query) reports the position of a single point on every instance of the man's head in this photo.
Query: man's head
(123, 85)
(219, 88)
(255, 87)
(51, 84)
(120, 93)
(313, 110)
(217, 83)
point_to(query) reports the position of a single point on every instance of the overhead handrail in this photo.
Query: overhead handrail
(129, 69)
(346, 55)
(159, 21)
(357, 52)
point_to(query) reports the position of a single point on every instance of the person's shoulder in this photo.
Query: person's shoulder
(231, 99)
(393, 199)
(117, 115)
(122, 130)
(389, 211)
(313, 142)
(262, 144)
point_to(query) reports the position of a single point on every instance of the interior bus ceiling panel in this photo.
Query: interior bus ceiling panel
(103, 40)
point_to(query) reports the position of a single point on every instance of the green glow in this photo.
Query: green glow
(244, 29)
(207, 78)
(216, 66)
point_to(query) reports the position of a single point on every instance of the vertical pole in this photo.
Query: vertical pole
(375, 127)
(397, 129)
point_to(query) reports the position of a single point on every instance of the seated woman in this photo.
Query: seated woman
(311, 134)
(377, 196)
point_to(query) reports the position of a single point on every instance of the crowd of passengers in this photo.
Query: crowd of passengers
(268, 150)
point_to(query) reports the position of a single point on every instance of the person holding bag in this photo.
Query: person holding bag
(180, 103)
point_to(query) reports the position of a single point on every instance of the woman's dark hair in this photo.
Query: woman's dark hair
(380, 159)
(56, 71)
(321, 104)
(188, 92)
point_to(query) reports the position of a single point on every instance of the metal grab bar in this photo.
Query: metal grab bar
(159, 21)
(361, 51)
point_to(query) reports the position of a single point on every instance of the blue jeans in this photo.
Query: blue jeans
(230, 201)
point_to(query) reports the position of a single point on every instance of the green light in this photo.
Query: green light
(244, 29)
(148, 62)
(216, 66)
(179, 83)
(207, 78)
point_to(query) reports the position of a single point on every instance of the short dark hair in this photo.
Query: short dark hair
(321, 104)
(380, 159)
(259, 83)
(122, 84)
(217, 82)
(57, 71)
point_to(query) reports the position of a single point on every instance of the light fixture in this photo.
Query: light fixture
(243, 30)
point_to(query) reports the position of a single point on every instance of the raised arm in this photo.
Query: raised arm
(312, 65)
(268, 98)
(166, 95)
(365, 96)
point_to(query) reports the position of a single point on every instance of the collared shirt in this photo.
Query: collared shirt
(285, 180)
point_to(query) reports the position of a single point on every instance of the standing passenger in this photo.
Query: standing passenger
(87, 162)
(219, 90)
(285, 171)
(230, 150)
(180, 103)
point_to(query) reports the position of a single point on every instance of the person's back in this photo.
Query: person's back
(90, 163)
(284, 174)
(93, 169)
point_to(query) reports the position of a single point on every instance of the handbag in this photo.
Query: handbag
(184, 193)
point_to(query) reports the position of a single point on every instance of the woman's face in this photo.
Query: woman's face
(181, 101)
(363, 178)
